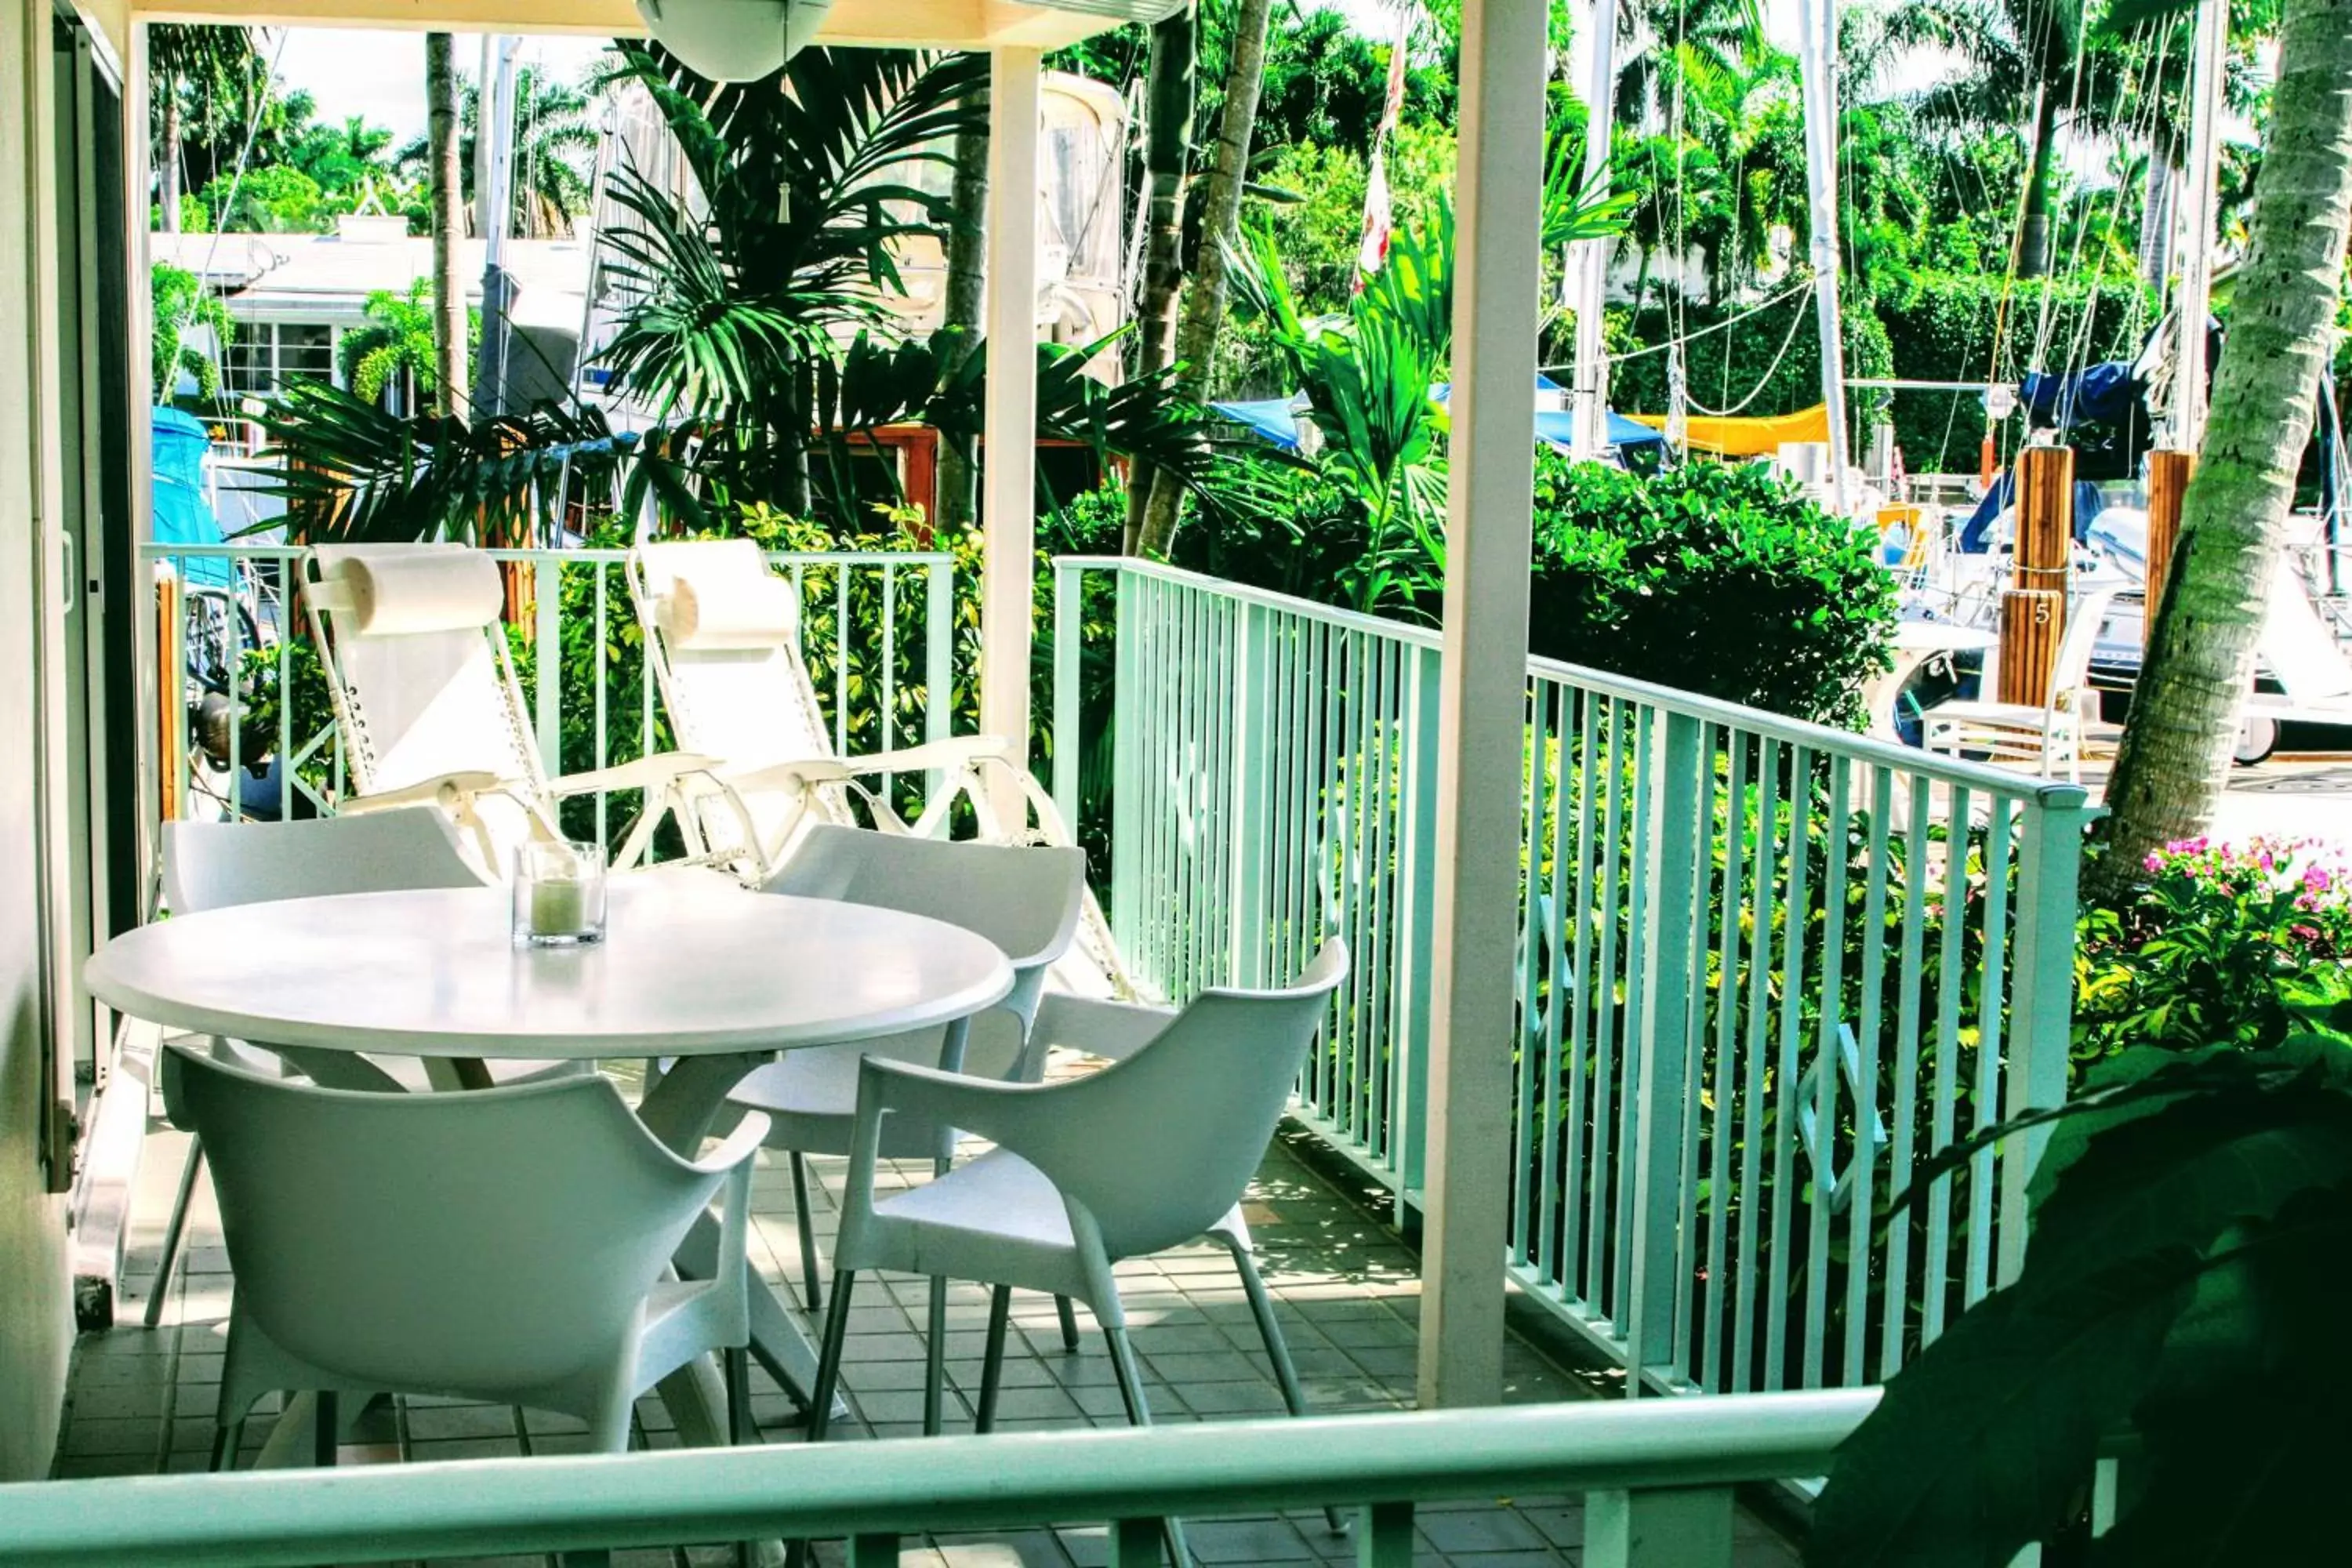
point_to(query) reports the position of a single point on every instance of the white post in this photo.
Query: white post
(1597, 40)
(1008, 509)
(1482, 686)
(1817, 56)
(2192, 304)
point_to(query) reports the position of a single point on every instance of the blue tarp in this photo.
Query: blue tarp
(2103, 392)
(2087, 506)
(182, 517)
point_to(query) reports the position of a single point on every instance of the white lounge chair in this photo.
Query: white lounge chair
(425, 697)
(1146, 1154)
(222, 865)
(509, 1245)
(723, 631)
(2051, 736)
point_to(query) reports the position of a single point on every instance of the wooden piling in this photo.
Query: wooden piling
(2168, 474)
(2033, 609)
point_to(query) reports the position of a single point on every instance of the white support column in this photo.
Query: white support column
(1481, 733)
(1008, 502)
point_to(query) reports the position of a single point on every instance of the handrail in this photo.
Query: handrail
(155, 550)
(1867, 749)
(490, 1507)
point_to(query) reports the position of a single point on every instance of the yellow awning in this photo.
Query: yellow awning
(1749, 438)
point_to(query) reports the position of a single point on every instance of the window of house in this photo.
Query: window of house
(264, 356)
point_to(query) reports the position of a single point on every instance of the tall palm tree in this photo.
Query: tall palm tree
(2234, 527)
(966, 298)
(555, 139)
(1170, 93)
(2032, 64)
(1204, 303)
(184, 60)
(445, 181)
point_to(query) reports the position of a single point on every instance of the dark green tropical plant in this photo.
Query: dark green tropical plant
(808, 180)
(2191, 1251)
(396, 348)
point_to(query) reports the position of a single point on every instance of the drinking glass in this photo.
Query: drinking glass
(559, 894)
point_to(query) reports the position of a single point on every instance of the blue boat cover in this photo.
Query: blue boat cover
(2088, 504)
(180, 515)
(1275, 420)
(2103, 392)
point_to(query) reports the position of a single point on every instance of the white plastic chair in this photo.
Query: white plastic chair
(1146, 1154)
(222, 865)
(1026, 900)
(2052, 735)
(425, 697)
(509, 1245)
(723, 631)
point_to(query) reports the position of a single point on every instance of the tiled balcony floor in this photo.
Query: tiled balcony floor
(1347, 1294)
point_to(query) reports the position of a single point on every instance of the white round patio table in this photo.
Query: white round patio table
(690, 968)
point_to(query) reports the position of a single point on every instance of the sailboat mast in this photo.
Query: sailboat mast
(1817, 58)
(1591, 428)
(2194, 303)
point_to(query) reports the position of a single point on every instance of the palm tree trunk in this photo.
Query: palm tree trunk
(1221, 216)
(1170, 92)
(168, 172)
(447, 202)
(2185, 715)
(2033, 238)
(966, 295)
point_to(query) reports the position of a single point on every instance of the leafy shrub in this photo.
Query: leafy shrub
(1709, 578)
(2213, 948)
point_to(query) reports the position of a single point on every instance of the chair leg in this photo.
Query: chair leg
(1277, 1350)
(828, 1357)
(1063, 1310)
(1138, 1414)
(175, 1231)
(935, 1357)
(226, 1436)
(323, 1429)
(811, 1286)
(992, 1367)
(741, 1427)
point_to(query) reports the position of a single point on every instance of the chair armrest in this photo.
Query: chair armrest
(644, 773)
(432, 792)
(734, 1157)
(1001, 1112)
(948, 753)
(1112, 1030)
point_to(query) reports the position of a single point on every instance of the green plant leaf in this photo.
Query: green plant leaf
(1980, 1445)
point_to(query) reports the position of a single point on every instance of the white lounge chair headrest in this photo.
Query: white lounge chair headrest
(426, 590)
(729, 610)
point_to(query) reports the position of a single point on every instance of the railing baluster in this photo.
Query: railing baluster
(1859, 1203)
(1547, 1258)
(1820, 1204)
(1784, 1086)
(1604, 1288)
(1984, 1201)
(547, 660)
(1756, 1051)
(1911, 978)
(1954, 915)
(1667, 1528)
(603, 670)
(1069, 598)
(1385, 1537)
(1578, 1279)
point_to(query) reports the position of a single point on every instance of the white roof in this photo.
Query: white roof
(329, 277)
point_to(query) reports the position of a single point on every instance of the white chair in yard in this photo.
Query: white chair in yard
(723, 631)
(510, 1245)
(425, 697)
(1026, 900)
(2051, 736)
(222, 865)
(1146, 1154)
